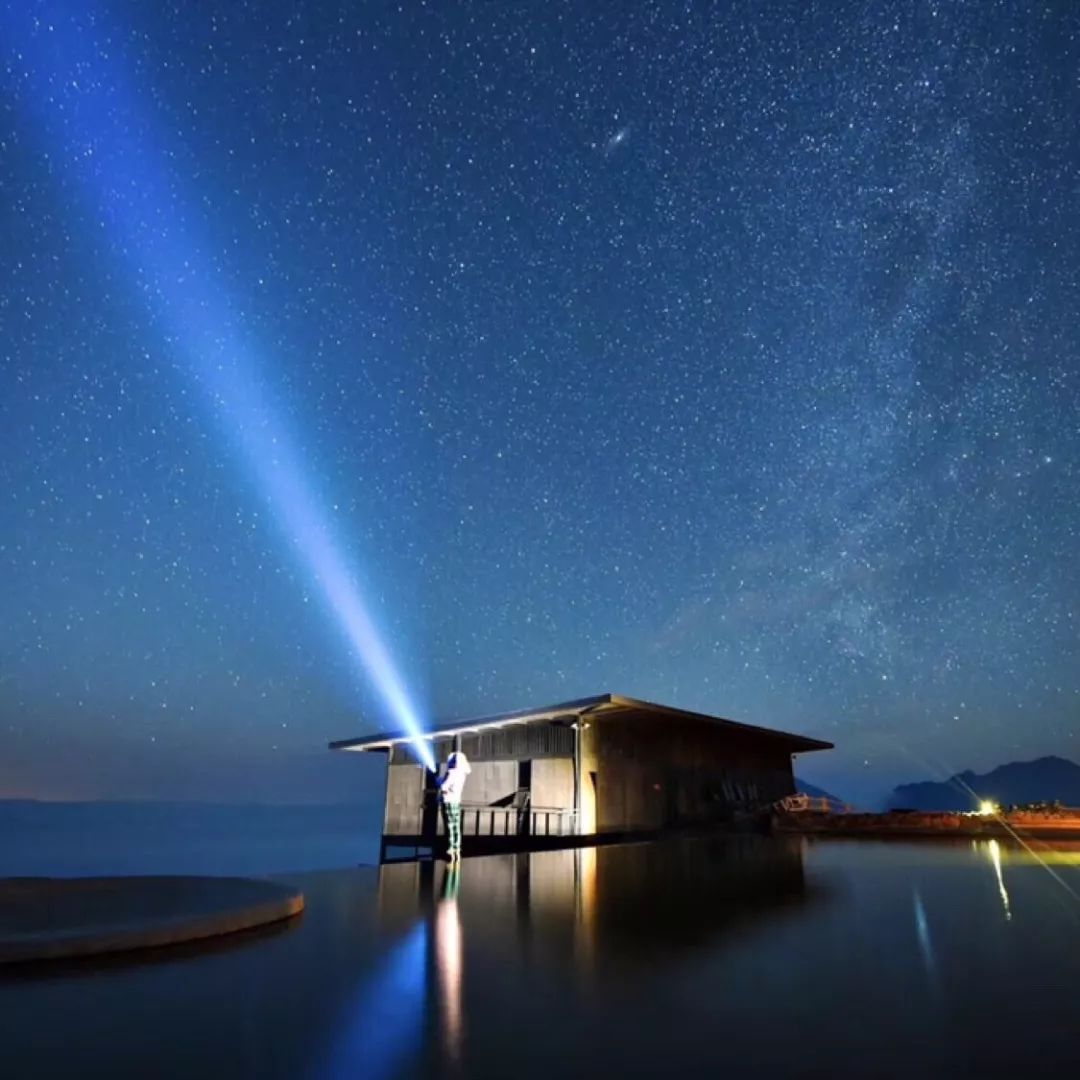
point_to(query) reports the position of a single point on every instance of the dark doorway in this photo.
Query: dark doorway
(523, 797)
(429, 820)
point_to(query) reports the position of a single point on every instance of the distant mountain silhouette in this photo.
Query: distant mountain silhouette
(835, 802)
(1046, 779)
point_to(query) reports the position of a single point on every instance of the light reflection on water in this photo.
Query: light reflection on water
(1052, 853)
(449, 960)
(743, 956)
(926, 944)
(381, 1026)
(993, 849)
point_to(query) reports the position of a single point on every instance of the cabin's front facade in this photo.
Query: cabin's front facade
(599, 767)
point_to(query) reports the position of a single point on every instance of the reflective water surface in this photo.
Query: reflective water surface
(738, 956)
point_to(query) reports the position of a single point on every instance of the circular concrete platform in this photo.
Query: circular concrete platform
(61, 918)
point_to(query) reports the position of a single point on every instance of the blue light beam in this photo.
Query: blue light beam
(67, 74)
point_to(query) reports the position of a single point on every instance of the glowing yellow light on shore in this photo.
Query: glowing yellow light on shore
(986, 808)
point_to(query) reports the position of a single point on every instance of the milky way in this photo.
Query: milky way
(722, 355)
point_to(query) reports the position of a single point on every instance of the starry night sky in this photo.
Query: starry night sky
(719, 354)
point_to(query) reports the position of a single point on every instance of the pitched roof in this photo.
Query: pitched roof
(607, 704)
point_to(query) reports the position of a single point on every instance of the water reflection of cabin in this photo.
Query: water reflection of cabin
(601, 767)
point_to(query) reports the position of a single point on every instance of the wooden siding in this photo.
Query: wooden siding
(404, 799)
(553, 782)
(653, 775)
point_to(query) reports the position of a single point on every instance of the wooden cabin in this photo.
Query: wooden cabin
(598, 768)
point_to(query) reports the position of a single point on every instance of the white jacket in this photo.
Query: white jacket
(452, 784)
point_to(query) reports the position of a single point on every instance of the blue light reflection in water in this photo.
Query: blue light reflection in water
(926, 944)
(66, 69)
(381, 1028)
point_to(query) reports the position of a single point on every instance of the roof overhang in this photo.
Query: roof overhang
(572, 712)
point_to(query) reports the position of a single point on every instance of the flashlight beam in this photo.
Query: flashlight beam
(66, 75)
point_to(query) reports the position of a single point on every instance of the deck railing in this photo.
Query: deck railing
(483, 820)
(799, 803)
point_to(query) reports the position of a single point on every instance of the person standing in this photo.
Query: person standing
(451, 787)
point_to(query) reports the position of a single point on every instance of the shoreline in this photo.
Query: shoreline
(930, 824)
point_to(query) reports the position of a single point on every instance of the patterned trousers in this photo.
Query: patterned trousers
(452, 820)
